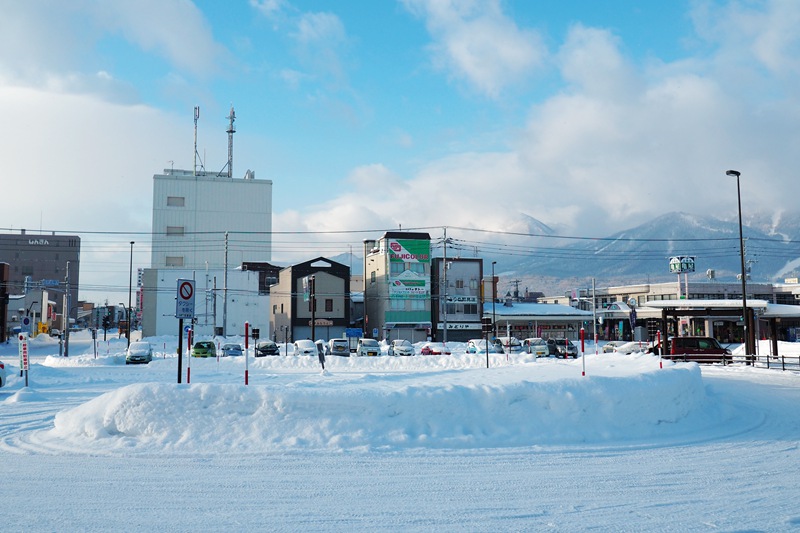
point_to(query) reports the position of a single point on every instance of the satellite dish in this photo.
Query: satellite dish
(631, 302)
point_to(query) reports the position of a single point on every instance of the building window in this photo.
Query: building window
(459, 284)
(418, 304)
(473, 284)
(328, 305)
(372, 277)
(396, 268)
(470, 309)
(176, 201)
(418, 268)
(174, 260)
(175, 231)
(397, 304)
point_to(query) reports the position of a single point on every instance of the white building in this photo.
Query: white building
(204, 225)
(192, 213)
(244, 302)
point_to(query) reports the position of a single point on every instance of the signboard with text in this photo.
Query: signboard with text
(408, 275)
(184, 301)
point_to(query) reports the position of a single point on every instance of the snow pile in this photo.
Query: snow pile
(626, 399)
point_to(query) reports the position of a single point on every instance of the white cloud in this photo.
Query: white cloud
(54, 42)
(620, 144)
(477, 42)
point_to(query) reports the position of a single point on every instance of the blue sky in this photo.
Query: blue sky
(589, 116)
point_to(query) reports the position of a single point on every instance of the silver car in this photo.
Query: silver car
(401, 347)
(139, 352)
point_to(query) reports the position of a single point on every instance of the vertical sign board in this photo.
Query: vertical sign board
(23, 352)
(184, 307)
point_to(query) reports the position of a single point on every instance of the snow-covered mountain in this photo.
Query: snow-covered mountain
(641, 254)
(540, 260)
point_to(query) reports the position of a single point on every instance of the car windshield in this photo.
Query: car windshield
(306, 345)
(139, 348)
(205, 345)
(231, 347)
(372, 343)
(402, 343)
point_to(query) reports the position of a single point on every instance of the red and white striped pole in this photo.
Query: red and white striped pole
(189, 351)
(246, 344)
(583, 352)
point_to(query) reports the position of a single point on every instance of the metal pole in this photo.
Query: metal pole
(66, 311)
(130, 289)
(494, 331)
(747, 347)
(444, 270)
(225, 285)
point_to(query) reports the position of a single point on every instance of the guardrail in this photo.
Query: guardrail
(782, 362)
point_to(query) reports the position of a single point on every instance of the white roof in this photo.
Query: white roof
(703, 304)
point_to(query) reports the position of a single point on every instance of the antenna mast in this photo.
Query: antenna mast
(196, 116)
(231, 131)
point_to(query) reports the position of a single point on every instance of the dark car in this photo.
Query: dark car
(697, 349)
(564, 348)
(266, 347)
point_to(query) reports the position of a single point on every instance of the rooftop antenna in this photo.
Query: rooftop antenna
(231, 130)
(196, 154)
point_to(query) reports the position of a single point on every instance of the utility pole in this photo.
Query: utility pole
(225, 286)
(444, 270)
(66, 313)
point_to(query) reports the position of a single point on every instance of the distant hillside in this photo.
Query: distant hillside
(547, 263)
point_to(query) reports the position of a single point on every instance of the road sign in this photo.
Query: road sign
(184, 307)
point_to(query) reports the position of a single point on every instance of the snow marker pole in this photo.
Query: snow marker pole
(189, 352)
(246, 344)
(583, 352)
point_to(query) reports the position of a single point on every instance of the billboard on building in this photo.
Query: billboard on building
(409, 268)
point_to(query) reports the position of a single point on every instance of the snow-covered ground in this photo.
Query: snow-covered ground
(413, 444)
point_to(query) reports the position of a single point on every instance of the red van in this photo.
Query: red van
(698, 349)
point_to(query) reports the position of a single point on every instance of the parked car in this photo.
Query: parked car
(611, 346)
(535, 346)
(138, 352)
(434, 348)
(565, 348)
(339, 347)
(368, 347)
(231, 349)
(631, 347)
(204, 349)
(401, 347)
(266, 347)
(697, 349)
(305, 347)
(2, 374)
(508, 344)
(479, 346)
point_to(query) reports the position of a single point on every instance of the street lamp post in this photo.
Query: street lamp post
(130, 289)
(494, 331)
(747, 347)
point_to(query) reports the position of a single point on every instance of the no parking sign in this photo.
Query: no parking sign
(185, 299)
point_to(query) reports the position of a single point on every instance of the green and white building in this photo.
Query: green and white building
(397, 286)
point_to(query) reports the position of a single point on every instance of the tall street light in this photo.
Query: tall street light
(128, 317)
(747, 350)
(494, 331)
(130, 289)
